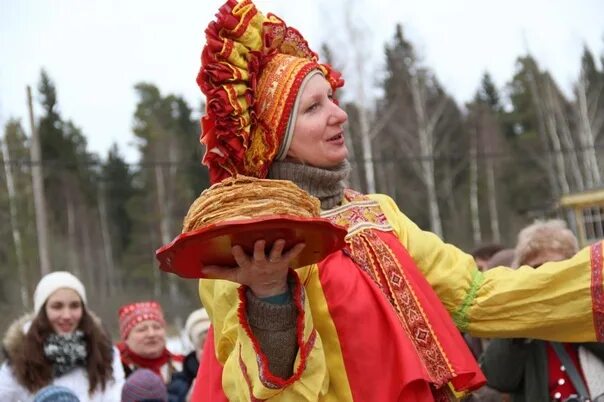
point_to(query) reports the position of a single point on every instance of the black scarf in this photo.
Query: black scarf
(65, 352)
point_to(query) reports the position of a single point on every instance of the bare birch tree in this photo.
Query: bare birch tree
(109, 261)
(38, 188)
(358, 37)
(474, 204)
(14, 223)
(426, 121)
(548, 129)
(590, 117)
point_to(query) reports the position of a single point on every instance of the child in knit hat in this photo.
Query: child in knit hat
(144, 385)
(54, 393)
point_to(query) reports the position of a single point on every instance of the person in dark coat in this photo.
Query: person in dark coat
(196, 328)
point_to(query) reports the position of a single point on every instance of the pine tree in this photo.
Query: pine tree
(170, 178)
(119, 190)
(488, 93)
(528, 180)
(71, 174)
(18, 262)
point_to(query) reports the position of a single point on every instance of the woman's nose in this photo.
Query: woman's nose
(338, 115)
(154, 331)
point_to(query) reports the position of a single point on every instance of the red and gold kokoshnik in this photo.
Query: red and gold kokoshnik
(252, 67)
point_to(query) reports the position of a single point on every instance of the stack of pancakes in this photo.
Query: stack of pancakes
(243, 197)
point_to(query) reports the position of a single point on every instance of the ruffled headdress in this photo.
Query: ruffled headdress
(252, 67)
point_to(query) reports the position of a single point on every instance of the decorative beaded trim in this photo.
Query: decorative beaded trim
(597, 291)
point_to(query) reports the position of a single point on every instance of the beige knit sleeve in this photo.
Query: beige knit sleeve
(274, 327)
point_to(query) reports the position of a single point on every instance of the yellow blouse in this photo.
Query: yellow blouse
(560, 301)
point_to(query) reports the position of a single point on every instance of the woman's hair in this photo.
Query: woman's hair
(540, 236)
(34, 371)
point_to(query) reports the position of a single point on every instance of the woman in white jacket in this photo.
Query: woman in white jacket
(61, 343)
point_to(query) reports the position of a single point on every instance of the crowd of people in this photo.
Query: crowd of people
(62, 352)
(389, 317)
(539, 370)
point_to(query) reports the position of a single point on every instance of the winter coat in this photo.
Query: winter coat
(179, 386)
(520, 367)
(76, 380)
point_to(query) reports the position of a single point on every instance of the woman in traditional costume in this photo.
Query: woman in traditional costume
(378, 320)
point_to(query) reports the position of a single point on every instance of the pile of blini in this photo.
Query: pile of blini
(244, 197)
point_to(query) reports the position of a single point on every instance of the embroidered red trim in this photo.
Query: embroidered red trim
(597, 290)
(248, 381)
(375, 258)
(395, 286)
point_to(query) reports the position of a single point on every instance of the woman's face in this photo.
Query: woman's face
(147, 339)
(318, 132)
(64, 310)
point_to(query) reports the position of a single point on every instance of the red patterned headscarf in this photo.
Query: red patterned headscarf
(132, 314)
(252, 67)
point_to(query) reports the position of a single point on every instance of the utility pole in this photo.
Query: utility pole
(38, 188)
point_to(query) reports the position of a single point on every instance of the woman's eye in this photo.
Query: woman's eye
(312, 107)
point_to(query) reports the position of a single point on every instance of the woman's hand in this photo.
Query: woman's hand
(265, 275)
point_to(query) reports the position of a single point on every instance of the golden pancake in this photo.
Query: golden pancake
(242, 197)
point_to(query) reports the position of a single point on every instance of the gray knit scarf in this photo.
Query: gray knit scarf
(326, 184)
(66, 352)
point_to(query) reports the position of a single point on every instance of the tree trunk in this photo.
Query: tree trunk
(492, 197)
(558, 156)
(14, 222)
(72, 242)
(474, 205)
(38, 189)
(590, 160)
(358, 36)
(566, 138)
(367, 151)
(548, 125)
(92, 273)
(354, 180)
(164, 225)
(107, 246)
(426, 145)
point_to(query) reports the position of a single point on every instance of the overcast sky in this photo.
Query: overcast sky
(97, 50)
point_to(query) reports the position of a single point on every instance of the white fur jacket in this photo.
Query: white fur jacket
(76, 380)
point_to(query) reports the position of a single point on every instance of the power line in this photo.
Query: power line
(437, 157)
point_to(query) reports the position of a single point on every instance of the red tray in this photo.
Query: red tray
(211, 245)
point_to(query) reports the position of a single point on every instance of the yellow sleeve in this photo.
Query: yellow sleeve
(245, 368)
(560, 301)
